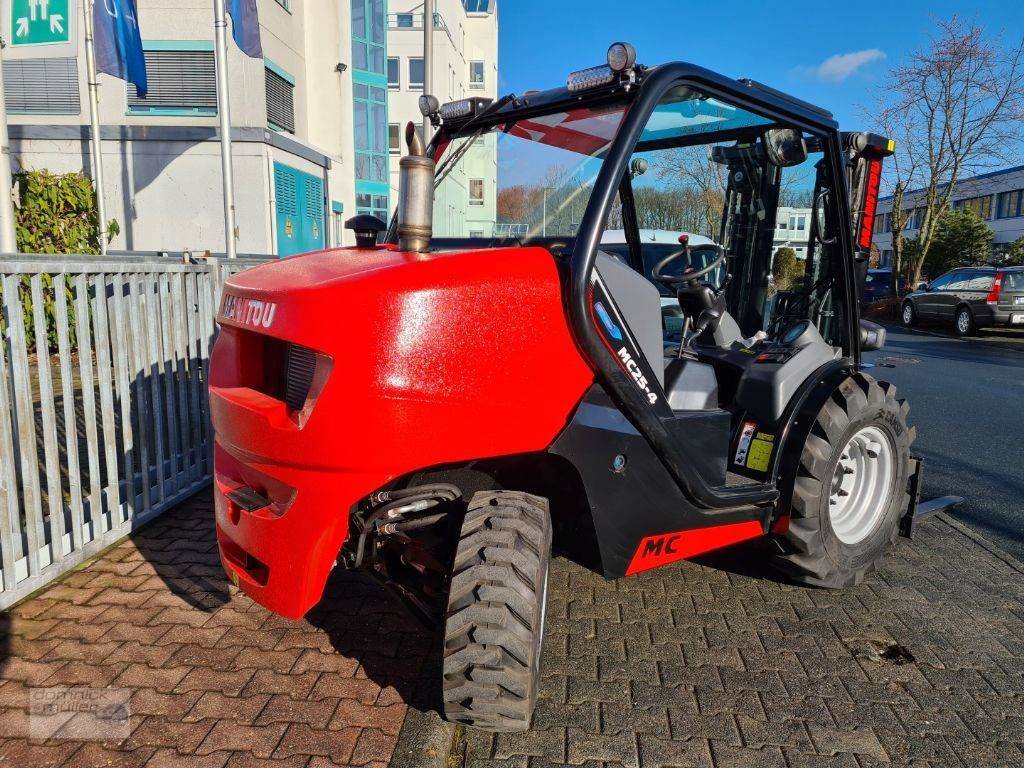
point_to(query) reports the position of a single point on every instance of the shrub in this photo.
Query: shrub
(787, 269)
(55, 213)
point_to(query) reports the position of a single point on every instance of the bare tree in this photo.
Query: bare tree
(692, 167)
(955, 108)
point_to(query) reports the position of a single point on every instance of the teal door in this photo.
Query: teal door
(300, 210)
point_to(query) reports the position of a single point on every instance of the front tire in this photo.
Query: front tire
(964, 323)
(908, 315)
(495, 619)
(850, 489)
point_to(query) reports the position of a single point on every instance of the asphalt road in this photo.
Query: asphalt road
(967, 402)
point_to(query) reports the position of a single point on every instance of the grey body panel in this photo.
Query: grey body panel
(766, 388)
(690, 385)
(726, 332)
(640, 304)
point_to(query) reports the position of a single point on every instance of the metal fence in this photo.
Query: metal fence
(104, 419)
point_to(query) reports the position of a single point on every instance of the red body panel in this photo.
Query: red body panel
(655, 551)
(427, 359)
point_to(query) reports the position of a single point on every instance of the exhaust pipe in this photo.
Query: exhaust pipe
(415, 194)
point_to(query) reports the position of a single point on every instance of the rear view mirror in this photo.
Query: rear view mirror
(784, 146)
(922, 286)
(872, 336)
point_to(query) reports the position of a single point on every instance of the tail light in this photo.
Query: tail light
(867, 219)
(997, 288)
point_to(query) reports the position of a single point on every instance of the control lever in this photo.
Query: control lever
(706, 318)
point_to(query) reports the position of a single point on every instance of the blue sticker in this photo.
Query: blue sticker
(602, 313)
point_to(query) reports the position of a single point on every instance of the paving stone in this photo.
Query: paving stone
(217, 680)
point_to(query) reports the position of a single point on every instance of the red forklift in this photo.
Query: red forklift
(438, 403)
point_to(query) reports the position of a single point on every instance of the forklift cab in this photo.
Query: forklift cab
(744, 168)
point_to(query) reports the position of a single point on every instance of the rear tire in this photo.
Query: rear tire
(495, 619)
(850, 489)
(908, 315)
(964, 322)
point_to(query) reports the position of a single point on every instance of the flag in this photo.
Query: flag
(245, 27)
(118, 42)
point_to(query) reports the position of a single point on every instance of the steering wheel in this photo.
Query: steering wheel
(686, 277)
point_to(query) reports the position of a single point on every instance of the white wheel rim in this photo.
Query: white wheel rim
(963, 322)
(862, 485)
(908, 314)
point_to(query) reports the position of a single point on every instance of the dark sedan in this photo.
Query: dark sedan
(969, 298)
(878, 286)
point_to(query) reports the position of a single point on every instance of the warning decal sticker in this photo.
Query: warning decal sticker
(743, 446)
(760, 452)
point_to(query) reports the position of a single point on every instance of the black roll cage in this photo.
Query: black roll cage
(642, 97)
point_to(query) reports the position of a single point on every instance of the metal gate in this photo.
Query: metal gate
(104, 421)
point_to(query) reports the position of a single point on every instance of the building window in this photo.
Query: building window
(1010, 204)
(368, 37)
(879, 221)
(375, 205)
(181, 82)
(798, 223)
(280, 100)
(393, 76)
(416, 74)
(394, 138)
(981, 206)
(370, 128)
(476, 74)
(24, 96)
(476, 191)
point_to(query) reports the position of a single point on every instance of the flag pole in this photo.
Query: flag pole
(94, 122)
(428, 61)
(220, 26)
(8, 239)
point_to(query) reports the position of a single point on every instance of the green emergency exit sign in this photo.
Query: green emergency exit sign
(40, 22)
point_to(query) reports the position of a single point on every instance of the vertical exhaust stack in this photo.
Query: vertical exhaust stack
(415, 194)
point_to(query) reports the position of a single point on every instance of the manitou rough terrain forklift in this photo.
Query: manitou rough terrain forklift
(432, 403)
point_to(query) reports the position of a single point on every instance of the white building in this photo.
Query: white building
(997, 198)
(299, 163)
(465, 64)
(792, 230)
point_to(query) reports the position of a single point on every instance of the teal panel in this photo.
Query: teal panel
(299, 210)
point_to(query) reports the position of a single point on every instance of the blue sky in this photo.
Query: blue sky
(822, 52)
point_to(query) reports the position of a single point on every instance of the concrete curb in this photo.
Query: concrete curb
(426, 741)
(989, 546)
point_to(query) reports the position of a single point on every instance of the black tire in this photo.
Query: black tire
(908, 314)
(963, 322)
(495, 620)
(810, 552)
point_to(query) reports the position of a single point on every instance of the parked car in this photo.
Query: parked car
(969, 298)
(878, 285)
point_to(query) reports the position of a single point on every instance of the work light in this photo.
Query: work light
(621, 56)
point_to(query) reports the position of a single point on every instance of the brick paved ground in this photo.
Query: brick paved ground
(724, 666)
(710, 664)
(217, 680)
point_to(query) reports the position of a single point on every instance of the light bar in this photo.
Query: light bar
(583, 79)
(455, 110)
